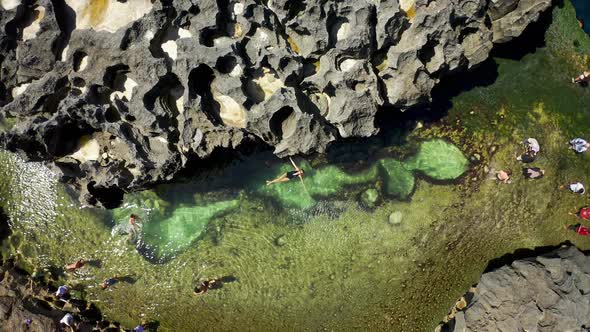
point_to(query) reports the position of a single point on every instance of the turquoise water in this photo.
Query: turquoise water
(176, 215)
(583, 12)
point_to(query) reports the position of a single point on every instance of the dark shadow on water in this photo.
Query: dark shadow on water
(583, 13)
(524, 253)
(532, 38)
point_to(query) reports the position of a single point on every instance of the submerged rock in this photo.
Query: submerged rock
(550, 292)
(370, 197)
(120, 95)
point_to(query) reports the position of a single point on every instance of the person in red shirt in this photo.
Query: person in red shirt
(578, 228)
(584, 213)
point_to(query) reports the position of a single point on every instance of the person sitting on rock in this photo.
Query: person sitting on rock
(575, 187)
(62, 292)
(67, 322)
(583, 78)
(533, 172)
(298, 172)
(532, 149)
(578, 228)
(579, 145)
(503, 176)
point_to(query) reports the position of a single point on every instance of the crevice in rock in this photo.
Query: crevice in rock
(293, 8)
(115, 76)
(66, 20)
(426, 53)
(63, 140)
(80, 59)
(282, 122)
(336, 27)
(199, 85)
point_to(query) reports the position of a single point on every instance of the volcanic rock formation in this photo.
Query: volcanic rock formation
(119, 95)
(550, 292)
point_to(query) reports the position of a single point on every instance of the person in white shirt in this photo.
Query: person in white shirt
(67, 320)
(575, 187)
(579, 145)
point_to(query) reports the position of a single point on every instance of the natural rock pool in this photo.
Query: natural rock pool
(384, 237)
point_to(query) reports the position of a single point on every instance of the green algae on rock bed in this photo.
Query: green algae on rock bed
(170, 229)
(436, 159)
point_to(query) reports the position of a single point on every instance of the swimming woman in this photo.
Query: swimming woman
(298, 172)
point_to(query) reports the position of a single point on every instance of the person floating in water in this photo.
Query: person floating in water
(74, 266)
(579, 145)
(532, 149)
(206, 285)
(575, 187)
(298, 172)
(583, 213)
(503, 176)
(583, 78)
(533, 172)
(109, 282)
(578, 228)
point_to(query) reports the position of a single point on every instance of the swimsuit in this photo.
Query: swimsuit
(292, 174)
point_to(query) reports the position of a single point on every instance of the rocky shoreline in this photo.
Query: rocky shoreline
(549, 292)
(27, 301)
(118, 96)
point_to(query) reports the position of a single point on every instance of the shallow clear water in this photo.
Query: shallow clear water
(317, 257)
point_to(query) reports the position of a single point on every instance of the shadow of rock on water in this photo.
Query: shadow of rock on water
(529, 41)
(583, 13)
(524, 253)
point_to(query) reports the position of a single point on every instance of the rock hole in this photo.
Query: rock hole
(427, 51)
(293, 8)
(226, 64)
(199, 81)
(338, 27)
(80, 61)
(129, 118)
(66, 21)
(109, 197)
(31, 23)
(208, 35)
(64, 140)
(78, 82)
(164, 91)
(111, 115)
(283, 123)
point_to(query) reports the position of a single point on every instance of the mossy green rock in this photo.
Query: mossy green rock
(438, 160)
(370, 197)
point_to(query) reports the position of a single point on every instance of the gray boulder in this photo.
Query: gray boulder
(550, 292)
(120, 95)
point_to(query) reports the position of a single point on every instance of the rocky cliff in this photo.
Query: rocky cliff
(550, 292)
(119, 95)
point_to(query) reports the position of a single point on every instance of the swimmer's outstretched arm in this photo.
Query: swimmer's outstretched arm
(294, 165)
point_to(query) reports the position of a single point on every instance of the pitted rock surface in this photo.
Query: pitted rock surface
(545, 293)
(120, 94)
